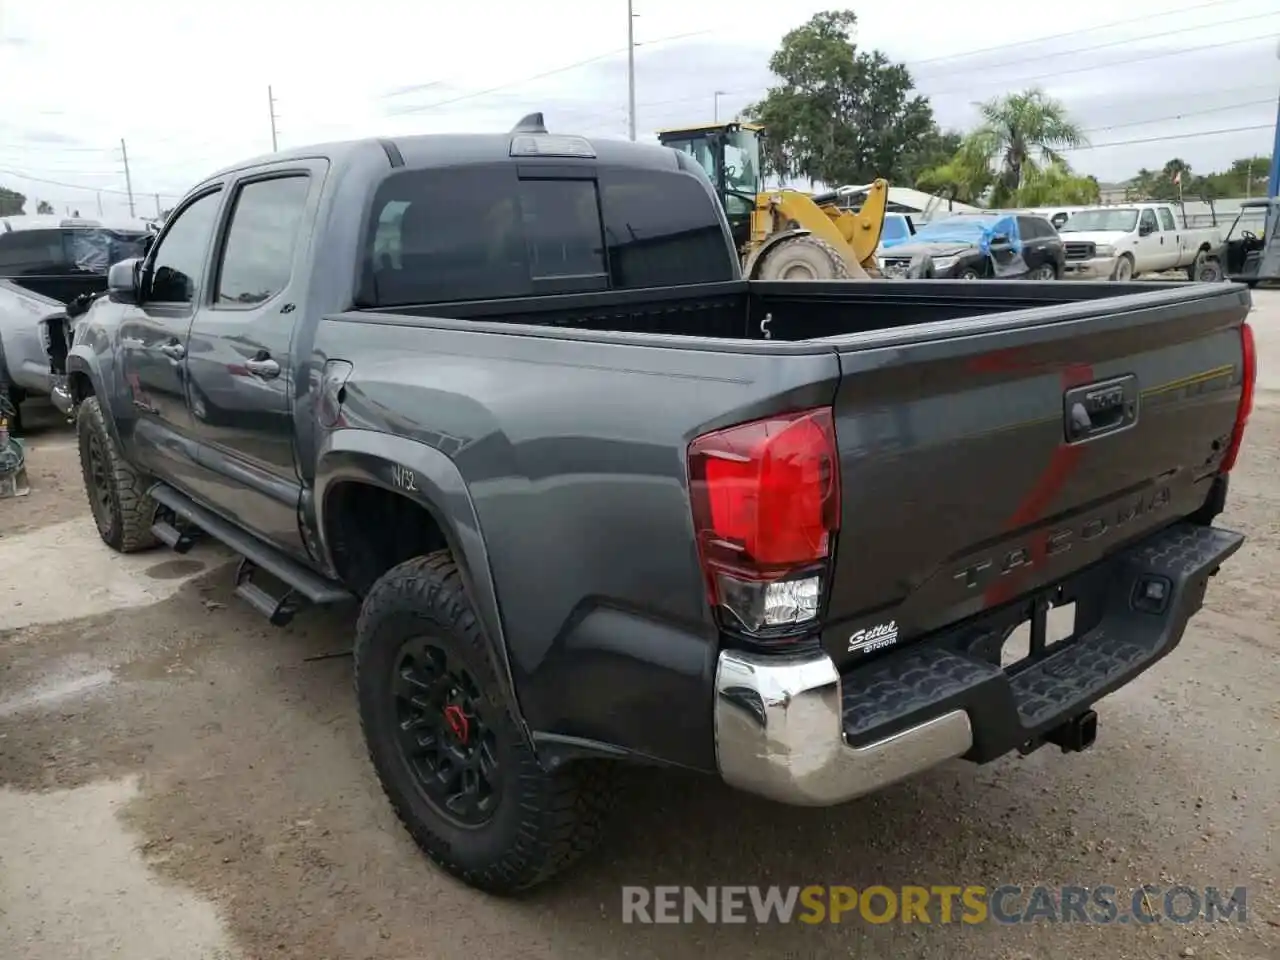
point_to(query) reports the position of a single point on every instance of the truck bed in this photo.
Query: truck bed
(791, 311)
(960, 488)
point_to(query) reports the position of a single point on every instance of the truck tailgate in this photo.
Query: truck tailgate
(991, 457)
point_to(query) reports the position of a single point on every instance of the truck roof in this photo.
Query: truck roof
(455, 149)
(44, 221)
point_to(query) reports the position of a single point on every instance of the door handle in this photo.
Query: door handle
(263, 367)
(173, 350)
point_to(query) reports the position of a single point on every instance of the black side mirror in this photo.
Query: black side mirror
(1145, 229)
(999, 240)
(122, 281)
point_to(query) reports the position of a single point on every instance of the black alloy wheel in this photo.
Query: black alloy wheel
(444, 738)
(102, 492)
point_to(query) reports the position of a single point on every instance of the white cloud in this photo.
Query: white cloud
(185, 83)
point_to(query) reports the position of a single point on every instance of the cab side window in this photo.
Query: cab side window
(178, 265)
(1148, 222)
(257, 260)
(1166, 219)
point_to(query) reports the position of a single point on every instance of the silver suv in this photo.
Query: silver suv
(45, 263)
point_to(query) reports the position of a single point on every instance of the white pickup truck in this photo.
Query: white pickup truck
(1119, 243)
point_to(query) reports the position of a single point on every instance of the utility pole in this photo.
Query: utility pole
(158, 210)
(271, 107)
(128, 181)
(715, 109)
(631, 72)
(99, 203)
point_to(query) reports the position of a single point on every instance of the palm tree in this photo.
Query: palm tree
(1021, 131)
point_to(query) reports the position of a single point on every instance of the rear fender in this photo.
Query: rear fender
(429, 478)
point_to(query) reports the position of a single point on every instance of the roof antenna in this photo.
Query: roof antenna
(531, 123)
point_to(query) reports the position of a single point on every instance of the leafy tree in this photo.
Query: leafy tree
(1245, 177)
(966, 177)
(44, 207)
(839, 115)
(1141, 186)
(12, 203)
(934, 149)
(1055, 184)
(1020, 132)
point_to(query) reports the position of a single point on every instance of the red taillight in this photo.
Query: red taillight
(1250, 374)
(766, 506)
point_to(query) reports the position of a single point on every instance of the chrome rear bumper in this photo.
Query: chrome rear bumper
(779, 733)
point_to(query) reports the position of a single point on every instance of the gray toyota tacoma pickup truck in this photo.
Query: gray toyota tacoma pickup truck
(599, 499)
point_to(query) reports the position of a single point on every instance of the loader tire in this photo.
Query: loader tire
(117, 492)
(446, 744)
(807, 258)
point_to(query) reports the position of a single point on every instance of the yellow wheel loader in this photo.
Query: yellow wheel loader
(784, 234)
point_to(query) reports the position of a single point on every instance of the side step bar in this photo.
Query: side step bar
(302, 585)
(173, 537)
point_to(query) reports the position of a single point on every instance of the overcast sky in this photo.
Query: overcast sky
(184, 82)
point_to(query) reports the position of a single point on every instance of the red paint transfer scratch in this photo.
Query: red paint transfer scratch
(1033, 507)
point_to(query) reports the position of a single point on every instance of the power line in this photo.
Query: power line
(1102, 66)
(1182, 116)
(542, 76)
(1073, 33)
(74, 186)
(1175, 136)
(1125, 100)
(757, 91)
(1126, 41)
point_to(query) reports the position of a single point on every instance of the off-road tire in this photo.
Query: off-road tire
(810, 255)
(544, 820)
(124, 520)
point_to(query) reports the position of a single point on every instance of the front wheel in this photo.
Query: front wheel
(117, 491)
(1045, 271)
(806, 257)
(1124, 269)
(969, 273)
(446, 745)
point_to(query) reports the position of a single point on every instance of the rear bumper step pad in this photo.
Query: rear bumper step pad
(1009, 708)
(797, 731)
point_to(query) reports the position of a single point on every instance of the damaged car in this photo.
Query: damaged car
(977, 246)
(49, 267)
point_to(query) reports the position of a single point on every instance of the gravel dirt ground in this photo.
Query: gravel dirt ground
(179, 780)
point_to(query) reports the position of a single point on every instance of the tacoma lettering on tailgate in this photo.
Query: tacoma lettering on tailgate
(1058, 541)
